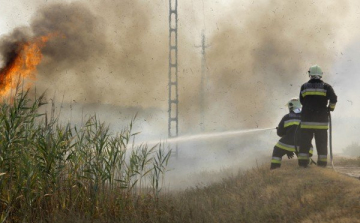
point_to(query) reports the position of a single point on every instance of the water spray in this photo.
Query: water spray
(206, 136)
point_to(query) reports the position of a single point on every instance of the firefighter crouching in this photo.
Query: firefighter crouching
(288, 131)
(314, 97)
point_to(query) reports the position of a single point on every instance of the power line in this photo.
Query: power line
(204, 80)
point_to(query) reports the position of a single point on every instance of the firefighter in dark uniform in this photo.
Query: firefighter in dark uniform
(318, 99)
(289, 132)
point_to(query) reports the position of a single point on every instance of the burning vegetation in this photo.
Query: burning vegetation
(22, 62)
(55, 172)
(64, 38)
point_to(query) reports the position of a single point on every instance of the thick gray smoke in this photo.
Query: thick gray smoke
(9, 46)
(116, 53)
(260, 56)
(81, 36)
(81, 42)
(107, 52)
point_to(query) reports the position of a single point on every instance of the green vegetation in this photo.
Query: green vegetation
(48, 170)
(63, 173)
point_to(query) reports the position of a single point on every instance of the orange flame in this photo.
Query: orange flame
(23, 66)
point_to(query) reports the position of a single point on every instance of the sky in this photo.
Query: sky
(257, 59)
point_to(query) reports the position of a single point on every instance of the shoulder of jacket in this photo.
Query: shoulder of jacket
(294, 115)
(286, 116)
(327, 85)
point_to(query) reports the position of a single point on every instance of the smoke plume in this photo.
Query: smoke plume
(259, 59)
(116, 52)
(9, 46)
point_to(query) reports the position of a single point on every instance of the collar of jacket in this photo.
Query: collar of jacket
(315, 81)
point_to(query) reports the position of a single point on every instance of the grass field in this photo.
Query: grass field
(289, 194)
(342, 161)
(51, 172)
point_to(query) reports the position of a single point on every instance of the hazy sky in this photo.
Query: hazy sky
(258, 56)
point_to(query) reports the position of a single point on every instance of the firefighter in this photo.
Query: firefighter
(318, 99)
(287, 130)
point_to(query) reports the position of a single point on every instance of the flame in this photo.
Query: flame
(23, 66)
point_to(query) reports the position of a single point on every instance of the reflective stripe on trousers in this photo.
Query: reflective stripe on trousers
(276, 160)
(322, 158)
(290, 148)
(311, 151)
(303, 156)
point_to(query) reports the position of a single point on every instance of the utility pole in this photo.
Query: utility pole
(173, 123)
(204, 80)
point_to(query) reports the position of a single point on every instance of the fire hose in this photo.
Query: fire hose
(330, 142)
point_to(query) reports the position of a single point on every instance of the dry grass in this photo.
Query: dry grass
(55, 173)
(342, 161)
(290, 194)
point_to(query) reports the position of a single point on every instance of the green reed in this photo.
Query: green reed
(47, 167)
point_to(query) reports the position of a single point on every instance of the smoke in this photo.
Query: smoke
(116, 53)
(107, 51)
(92, 52)
(81, 43)
(259, 59)
(9, 46)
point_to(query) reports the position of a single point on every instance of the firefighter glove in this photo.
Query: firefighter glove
(290, 155)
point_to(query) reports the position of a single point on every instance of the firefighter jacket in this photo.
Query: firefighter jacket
(314, 97)
(287, 129)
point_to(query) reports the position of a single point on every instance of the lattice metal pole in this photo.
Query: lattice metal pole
(173, 124)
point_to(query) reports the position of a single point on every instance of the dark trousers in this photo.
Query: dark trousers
(277, 155)
(321, 139)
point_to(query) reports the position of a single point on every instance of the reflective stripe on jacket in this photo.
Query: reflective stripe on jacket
(287, 129)
(314, 125)
(317, 97)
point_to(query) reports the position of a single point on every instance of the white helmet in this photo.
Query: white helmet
(315, 71)
(294, 105)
